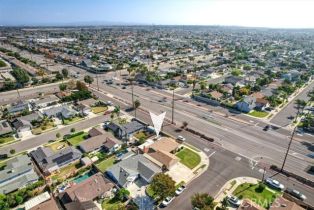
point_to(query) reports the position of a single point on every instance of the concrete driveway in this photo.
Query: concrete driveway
(180, 172)
(137, 192)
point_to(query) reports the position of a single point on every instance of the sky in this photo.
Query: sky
(253, 13)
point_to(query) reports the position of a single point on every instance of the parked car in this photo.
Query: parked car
(295, 194)
(274, 184)
(109, 103)
(180, 190)
(181, 138)
(167, 201)
(233, 200)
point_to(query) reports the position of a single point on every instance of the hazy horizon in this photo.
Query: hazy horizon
(242, 13)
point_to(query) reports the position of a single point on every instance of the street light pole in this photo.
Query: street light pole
(97, 79)
(172, 114)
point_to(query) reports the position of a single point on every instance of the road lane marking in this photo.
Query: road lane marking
(212, 154)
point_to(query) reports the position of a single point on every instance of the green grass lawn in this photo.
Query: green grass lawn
(105, 164)
(72, 120)
(141, 135)
(43, 128)
(76, 140)
(112, 204)
(99, 109)
(189, 158)
(4, 140)
(251, 191)
(258, 114)
(59, 144)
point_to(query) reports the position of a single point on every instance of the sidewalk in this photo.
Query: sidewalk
(231, 185)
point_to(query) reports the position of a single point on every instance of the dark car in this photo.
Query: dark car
(295, 194)
(266, 128)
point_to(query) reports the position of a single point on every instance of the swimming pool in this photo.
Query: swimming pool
(83, 177)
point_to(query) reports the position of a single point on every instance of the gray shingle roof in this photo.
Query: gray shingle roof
(135, 165)
(46, 159)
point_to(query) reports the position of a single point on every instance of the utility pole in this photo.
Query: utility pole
(132, 87)
(264, 172)
(172, 113)
(97, 79)
(288, 149)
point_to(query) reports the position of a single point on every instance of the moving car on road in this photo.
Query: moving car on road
(180, 190)
(295, 194)
(274, 184)
(181, 138)
(167, 201)
(233, 200)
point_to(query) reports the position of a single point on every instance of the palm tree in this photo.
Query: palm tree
(137, 104)
(117, 110)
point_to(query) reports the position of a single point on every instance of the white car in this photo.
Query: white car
(109, 103)
(181, 138)
(167, 201)
(274, 184)
(180, 190)
(233, 200)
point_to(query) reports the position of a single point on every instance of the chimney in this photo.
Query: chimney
(145, 149)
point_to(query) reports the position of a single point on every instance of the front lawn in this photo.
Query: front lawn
(189, 158)
(58, 145)
(141, 135)
(99, 109)
(5, 140)
(112, 204)
(105, 164)
(258, 114)
(263, 198)
(72, 120)
(43, 128)
(76, 140)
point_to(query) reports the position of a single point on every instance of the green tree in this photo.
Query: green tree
(21, 76)
(163, 185)
(122, 194)
(72, 130)
(65, 73)
(59, 76)
(58, 135)
(63, 87)
(117, 110)
(81, 86)
(12, 151)
(202, 201)
(88, 79)
(137, 104)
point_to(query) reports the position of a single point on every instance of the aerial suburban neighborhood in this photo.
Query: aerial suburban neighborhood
(140, 116)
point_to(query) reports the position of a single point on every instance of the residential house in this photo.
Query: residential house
(17, 173)
(261, 104)
(235, 81)
(43, 201)
(247, 104)
(216, 95)
(19, 108)
(5, 128)
(99, 142)
(283, 204)
(129, 170)
(83, 109)
(81, 196)
(126, 131)
(292, 75)
(96, 132)
(49, 161)
(23, 125)
(161, 152)
(45, 101)
(249, 205)
(60, 111)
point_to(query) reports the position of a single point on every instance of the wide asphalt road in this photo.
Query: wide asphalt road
(287, 114)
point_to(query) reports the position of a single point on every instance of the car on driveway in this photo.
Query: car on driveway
(180, 190)
(233, 200)
(295, 194)
(167, 201)
(274, 184)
